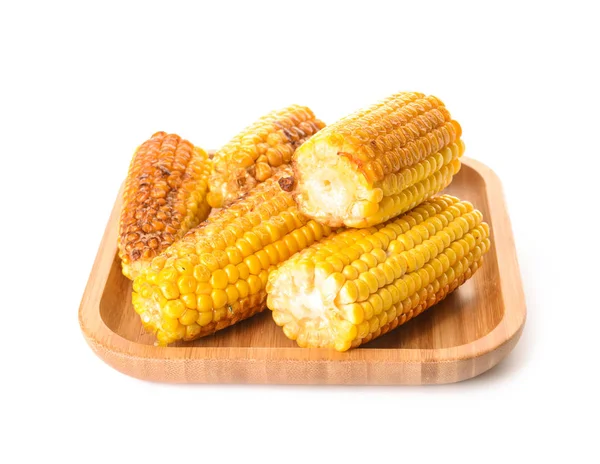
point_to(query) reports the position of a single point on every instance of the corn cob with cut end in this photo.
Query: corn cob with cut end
(165, 196)
(379, 162)
(216, 275)
(255, 154)
(358, 284)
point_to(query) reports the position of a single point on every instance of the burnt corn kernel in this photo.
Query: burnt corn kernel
(164, 197)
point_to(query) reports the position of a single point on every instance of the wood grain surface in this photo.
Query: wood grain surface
(461, 337)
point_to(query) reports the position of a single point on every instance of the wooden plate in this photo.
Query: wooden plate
(461, 337)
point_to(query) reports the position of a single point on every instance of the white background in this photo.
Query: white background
(81, 86)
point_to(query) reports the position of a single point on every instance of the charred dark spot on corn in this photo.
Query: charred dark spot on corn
(285, 130)
(288, 135)
(278, 125)
(287, 184)
(164, 170)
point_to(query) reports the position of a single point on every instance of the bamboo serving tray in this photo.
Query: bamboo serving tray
(464, 335)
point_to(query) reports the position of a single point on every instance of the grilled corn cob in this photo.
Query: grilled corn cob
(379, 162)
(216, 275)
(254, 154)
(164, 197)
(358, 284)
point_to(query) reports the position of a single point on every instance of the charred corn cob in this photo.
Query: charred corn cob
(358, 284)
(254, 154)
(216, 275)
(164, 197)
(379, 162)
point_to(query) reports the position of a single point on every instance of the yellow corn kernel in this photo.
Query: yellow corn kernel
(253, 240)
(168, 274)
(189, 317)
(234, 255)
(204, 318)
(368, 310)
(219, 279)
(190, 300)
(264, 278)
(192, 331)
(232, 272)
(169, 290)
(219, 298)
(219, 314)
(184, 266)
(209, 260)
(254, 283)
(291, 244)
(243, 288)
(174, 308)
(204, 303)
(369, 280)
(354, 313)
(163, 338)
(201, 273)
(186, 284)
(272, 254)
(169, 324)
(263, 257)
(221, 257)
(254, 265)
(348, 293)
(243, 270)
(282, 250)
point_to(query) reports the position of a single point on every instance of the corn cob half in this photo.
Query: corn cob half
(254, 154)
(379, 162)
(164, 197)
(358, 284)
(216, 275)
